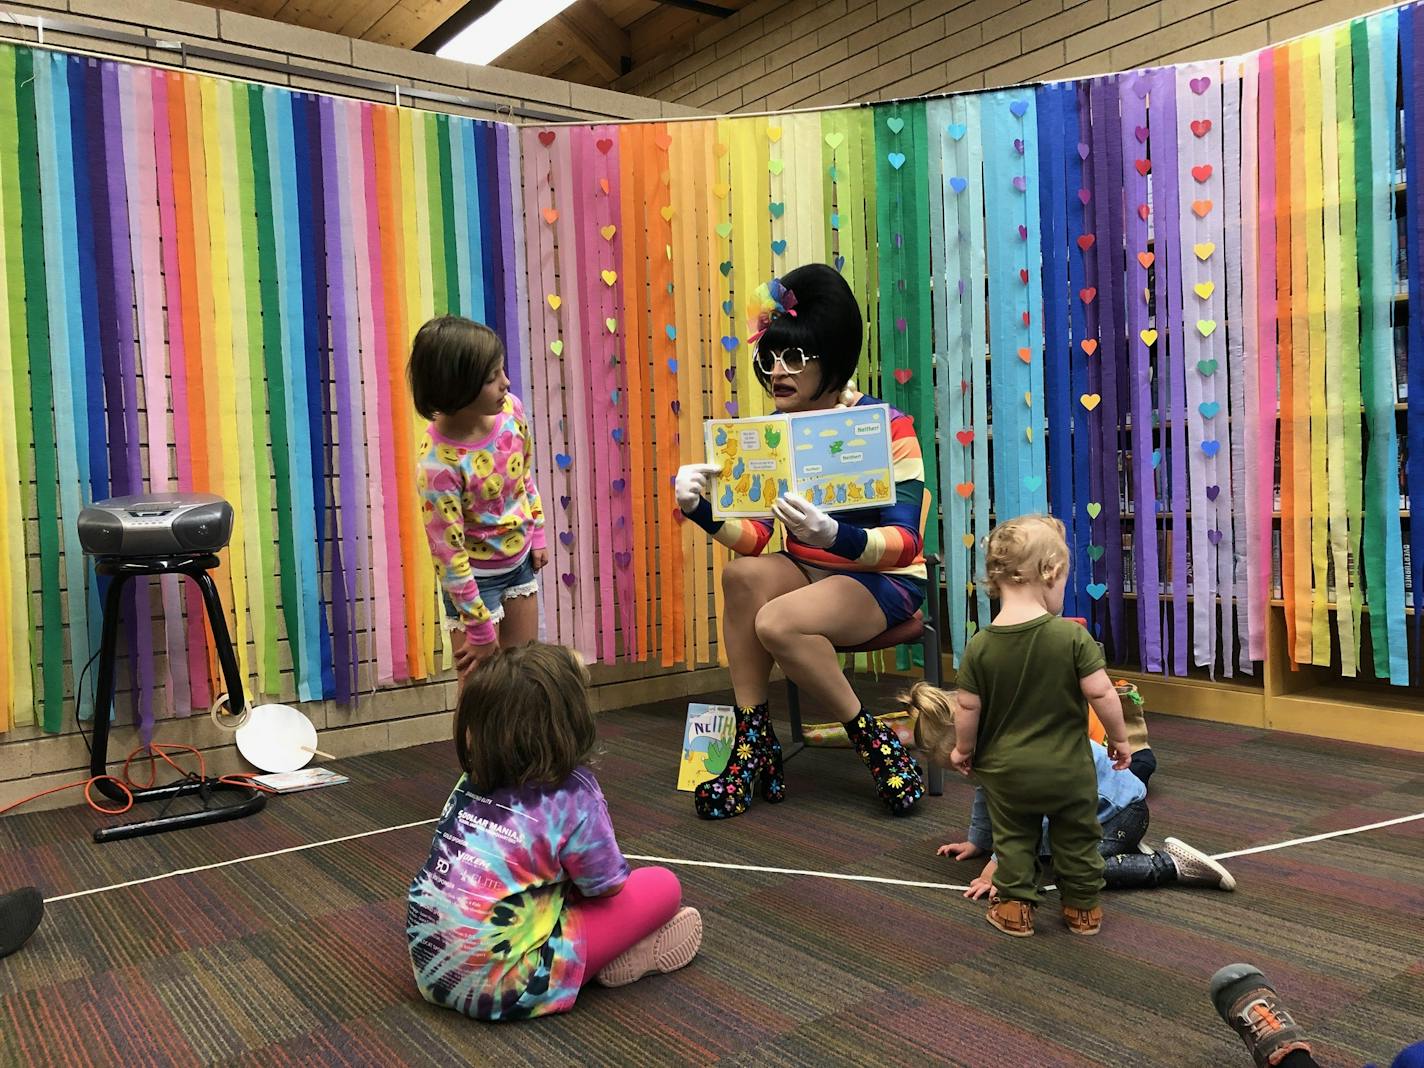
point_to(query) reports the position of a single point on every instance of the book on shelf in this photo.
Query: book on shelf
(1401, 362)
(1276, 592)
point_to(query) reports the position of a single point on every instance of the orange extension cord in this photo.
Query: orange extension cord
(128, 786)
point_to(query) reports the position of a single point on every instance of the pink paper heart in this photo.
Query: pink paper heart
(1085, 195)
(900, 324)
(1140, 132)
(1023, 232)
(1083, 150)
(1020, 183)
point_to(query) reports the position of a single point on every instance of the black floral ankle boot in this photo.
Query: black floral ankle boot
(756, 757)
(897, 776)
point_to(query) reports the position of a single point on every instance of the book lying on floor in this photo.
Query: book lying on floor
(706, 744)
(291, 782)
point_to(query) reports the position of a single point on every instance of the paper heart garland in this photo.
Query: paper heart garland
(546, 137)
(1090, 400)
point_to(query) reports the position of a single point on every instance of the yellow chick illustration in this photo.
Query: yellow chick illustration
(856, 493)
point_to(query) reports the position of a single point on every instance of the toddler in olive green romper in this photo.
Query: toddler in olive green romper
(1024, 684)
(1033, 757)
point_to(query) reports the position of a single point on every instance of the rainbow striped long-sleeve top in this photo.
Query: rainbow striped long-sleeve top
(885, 539)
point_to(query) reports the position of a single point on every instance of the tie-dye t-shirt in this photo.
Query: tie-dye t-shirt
(486, 920)
(481, 510)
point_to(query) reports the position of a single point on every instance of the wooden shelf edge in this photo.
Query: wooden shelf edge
(1222, 701)
(1326, 716)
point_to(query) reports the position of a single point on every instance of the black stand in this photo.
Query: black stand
(196, 567)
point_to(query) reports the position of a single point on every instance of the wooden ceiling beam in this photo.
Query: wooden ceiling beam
(602, 43)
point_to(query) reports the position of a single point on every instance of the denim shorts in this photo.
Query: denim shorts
(495, 588)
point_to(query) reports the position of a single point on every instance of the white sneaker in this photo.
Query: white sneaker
(670, 947)
(1195, 868)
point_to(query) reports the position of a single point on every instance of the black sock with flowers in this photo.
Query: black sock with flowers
(756, 753)
(897, 776)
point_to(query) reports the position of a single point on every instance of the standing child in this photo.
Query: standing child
(1122, 813)
(482, 513)
(526, 897)
(1022, 728)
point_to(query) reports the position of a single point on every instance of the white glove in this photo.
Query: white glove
(691, 484)
(804, 521)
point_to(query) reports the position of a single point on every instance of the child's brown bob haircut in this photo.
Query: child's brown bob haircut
(934, 719)
(1027, 551)
(451, 360)
(524, 717)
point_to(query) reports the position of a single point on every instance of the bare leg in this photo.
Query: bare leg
(520, 624)
(748, 583)
(802, 628)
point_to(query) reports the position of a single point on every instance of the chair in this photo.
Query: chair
(917, 630)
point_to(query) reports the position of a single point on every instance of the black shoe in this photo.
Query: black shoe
(1248, 1003)
(756, 758)
(20, 914)
(897, 776)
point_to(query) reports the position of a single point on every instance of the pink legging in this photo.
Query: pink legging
(612, 925)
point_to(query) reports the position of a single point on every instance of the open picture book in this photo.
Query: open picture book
(838, 459)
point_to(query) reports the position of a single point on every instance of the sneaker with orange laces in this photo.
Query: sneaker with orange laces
(1012, 917)
(1246, 1001)
(1083, 921)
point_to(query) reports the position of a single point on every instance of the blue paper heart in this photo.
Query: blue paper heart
(617, 434)
(671, 332)
(959, 185)
(1032, 482)
(730, 343)
(1209, 409)
(619, 485)
(615, 395)
(726, 268)
(1213, 492)
(564, 460)
(1019, 108)
(778, 247)
(957, 130)
(672, 366)
(1211, 448)
(840, 263)
(1096, 590)
(1156, 458)
(727, 307)
(832, 172)
(835, 220)
(777, 209)
(897, 159)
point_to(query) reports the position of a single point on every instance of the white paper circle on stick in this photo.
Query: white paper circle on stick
(274, 736)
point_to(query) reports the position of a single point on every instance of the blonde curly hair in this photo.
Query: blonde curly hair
(934, 718)
(1028, 551)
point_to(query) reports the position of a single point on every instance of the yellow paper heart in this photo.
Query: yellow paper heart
(554, 300)
(1204, 250)
(608, 232)
(720, 190)
(1091, 400)
(556, 347)
(773, 133)
(609, 277)
(1205, 289)
(1028, 432)
(1149, 337)
(1206, 327)
(667, 213)
(968, 540)
(1028, 399)
(612, 325)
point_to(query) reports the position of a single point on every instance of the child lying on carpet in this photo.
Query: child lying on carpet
(526, 897)
(1122, 812)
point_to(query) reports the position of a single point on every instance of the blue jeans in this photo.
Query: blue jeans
(493, 590)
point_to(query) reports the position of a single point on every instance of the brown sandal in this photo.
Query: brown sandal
(1083, 921)
(1012, 917)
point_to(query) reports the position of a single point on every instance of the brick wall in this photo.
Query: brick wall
(778, 54)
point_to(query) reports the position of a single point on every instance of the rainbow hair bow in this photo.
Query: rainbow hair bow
(773, 300)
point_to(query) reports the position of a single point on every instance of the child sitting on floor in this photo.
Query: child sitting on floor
(1022, 728)
(526, 896)
(1122, 813)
